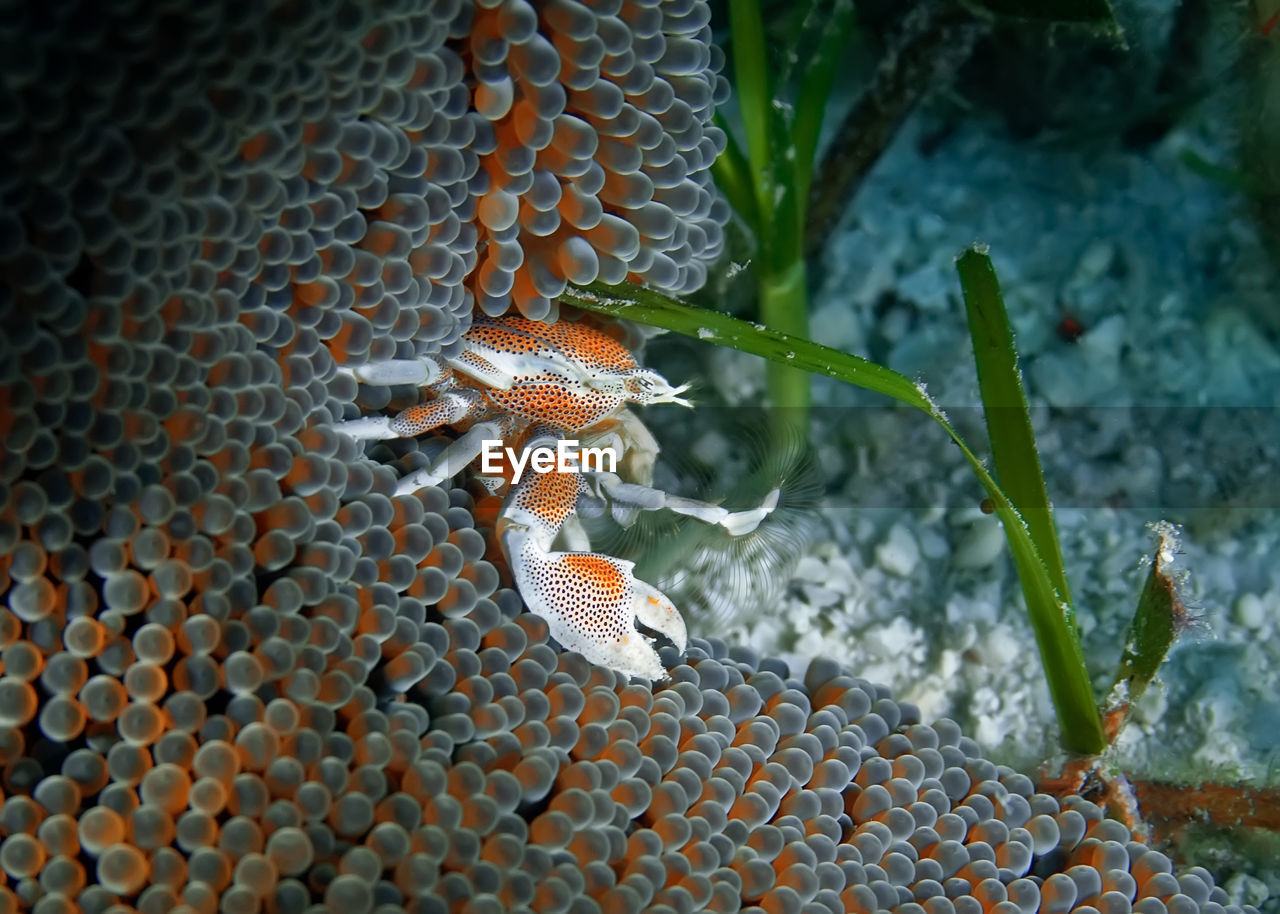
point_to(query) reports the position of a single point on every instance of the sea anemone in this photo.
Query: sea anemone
(239, 674)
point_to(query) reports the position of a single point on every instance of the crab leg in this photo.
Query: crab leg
(447, 408)
(454, 458)
(423, 372)
(628, 497)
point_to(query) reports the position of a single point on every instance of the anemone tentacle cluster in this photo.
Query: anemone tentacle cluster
(239, 673)
(596, 145)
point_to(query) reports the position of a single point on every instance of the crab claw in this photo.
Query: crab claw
(591, 603)
(657, 612)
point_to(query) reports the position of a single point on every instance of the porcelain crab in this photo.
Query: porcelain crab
(532, 385)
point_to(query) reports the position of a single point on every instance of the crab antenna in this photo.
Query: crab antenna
(648, 386)
(673, 396)
(662, 392)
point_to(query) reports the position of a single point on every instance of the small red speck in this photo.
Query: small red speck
(1270, 24)
(1070, 329)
